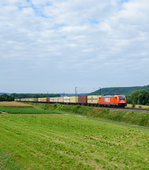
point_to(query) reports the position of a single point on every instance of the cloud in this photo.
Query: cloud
(82, 37)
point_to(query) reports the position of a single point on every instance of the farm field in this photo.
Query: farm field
(14, 104)
(69, 142)
(15, 108)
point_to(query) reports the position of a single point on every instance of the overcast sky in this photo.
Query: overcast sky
(55, 45)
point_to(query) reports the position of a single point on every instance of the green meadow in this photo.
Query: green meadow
(59, 141)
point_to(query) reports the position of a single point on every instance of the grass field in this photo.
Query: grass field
(57, 141)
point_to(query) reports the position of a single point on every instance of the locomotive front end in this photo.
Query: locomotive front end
(122, 101)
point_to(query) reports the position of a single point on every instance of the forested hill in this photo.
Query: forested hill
(120, 90)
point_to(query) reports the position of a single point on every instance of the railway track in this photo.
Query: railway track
(126, 109)
(132, 109)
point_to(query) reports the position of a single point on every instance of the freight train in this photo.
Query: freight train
(92, 100)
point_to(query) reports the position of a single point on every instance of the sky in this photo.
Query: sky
(53, 46)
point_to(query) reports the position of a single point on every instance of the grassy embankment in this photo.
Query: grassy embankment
(57, 141)
(137, 118)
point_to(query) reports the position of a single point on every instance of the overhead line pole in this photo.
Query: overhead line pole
(75, 91)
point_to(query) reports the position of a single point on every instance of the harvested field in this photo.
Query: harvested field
(14, 104)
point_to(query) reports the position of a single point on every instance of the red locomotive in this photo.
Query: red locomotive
(113, 100)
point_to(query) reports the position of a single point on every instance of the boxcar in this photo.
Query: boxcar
(82, 100)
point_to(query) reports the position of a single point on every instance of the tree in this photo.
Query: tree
(134, 97)
(140, 97)
(143, 97)
(5, 97)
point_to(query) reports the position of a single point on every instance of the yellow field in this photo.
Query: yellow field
(137, 106)
(14, 104)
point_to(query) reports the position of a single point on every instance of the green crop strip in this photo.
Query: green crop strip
(27, 110)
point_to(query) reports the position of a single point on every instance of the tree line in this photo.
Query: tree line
(139, 97)
(6, 97)
(11, 97)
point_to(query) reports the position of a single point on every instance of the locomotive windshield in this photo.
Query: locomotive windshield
(121, 98)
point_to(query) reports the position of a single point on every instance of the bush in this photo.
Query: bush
(133, 105)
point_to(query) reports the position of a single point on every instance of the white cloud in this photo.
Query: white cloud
(86, 35)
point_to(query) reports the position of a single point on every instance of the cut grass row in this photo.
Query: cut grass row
(68, 142)
(7, 163)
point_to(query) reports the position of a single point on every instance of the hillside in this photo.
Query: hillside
(120, 90)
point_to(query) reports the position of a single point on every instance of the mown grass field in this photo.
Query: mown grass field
(58, 141)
